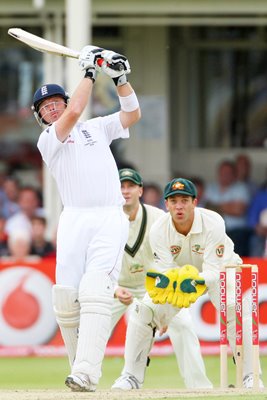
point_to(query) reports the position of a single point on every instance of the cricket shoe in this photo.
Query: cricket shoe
(248, 382)
(80, 383)
(126, 382)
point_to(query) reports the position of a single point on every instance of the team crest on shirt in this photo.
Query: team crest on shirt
(196, 248)
(89, 141)
(134, 268)
(220, 250)
(175, 250)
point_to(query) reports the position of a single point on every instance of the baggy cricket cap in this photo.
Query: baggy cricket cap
(180, 186)
(128, 174)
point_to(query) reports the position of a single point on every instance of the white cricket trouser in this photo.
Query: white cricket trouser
(90, 239)
(90, 246)
(183, 338)
(162, 315)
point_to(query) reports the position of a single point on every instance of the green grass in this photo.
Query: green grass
(25, 373)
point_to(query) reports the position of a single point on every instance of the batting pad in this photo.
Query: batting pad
(96, 298)
(139, 341)
(67, 311)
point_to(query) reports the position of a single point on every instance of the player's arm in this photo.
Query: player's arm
(79, 100)
(128, 98)
(213, 257)
(74, 109)
(117, 67)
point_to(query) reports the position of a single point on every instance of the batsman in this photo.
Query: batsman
(93, 228)
(190, 246)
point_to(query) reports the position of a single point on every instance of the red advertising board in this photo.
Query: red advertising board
(28, 325)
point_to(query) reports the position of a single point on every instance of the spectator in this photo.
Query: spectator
(3, 174)
(11, 190)
(200, 185)
(19, 244)
(153, 196)
(40, 246)
(29, 204)
(231, 198)
(3, 237)
(257, 222)
(243, 173)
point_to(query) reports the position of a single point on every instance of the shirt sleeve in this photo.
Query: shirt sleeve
(49, 145)
(213, 258)
(113, 128)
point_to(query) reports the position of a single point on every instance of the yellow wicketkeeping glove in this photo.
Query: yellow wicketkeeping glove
(161, 286)
(190, 284)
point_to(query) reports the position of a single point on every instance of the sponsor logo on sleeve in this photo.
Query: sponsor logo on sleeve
(220, 250)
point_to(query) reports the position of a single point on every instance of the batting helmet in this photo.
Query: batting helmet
(45, 92)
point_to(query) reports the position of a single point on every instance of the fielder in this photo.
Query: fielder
(185, 235)
(137, 259)
(93, 228)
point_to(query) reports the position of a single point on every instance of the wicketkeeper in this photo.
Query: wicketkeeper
(190, 246)
(137, 259)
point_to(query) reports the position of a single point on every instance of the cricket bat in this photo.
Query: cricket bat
(46, 46)
(43, 45)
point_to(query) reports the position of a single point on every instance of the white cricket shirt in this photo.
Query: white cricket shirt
(83, 166)
(206, 246)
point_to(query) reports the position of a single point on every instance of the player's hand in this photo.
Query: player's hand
(89, 57)
(190, 287)
(124, 296)
(161, 286)
(190, 281)
(116, 66)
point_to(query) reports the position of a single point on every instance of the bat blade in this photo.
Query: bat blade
(46, 46)
(43, 45)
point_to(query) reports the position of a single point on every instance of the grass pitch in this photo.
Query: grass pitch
(30, 374)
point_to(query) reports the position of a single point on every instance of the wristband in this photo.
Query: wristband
(120, 80)
(91, 74)
(129, 103)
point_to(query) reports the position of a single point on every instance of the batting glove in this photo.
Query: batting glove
(116, 66)
(89, 57)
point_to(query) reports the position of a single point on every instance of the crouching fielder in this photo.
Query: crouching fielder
(92, 229)
(185, 235)
(137, 259)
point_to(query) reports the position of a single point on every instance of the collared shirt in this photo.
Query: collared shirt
(83, 166)
(134, 266)
(206, 246)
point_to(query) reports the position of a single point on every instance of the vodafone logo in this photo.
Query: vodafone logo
(26, 312)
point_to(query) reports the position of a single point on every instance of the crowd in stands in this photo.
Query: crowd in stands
(241, 202)
(236, 197)
(22, 222)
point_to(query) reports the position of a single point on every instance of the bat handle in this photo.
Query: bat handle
(116, 67)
